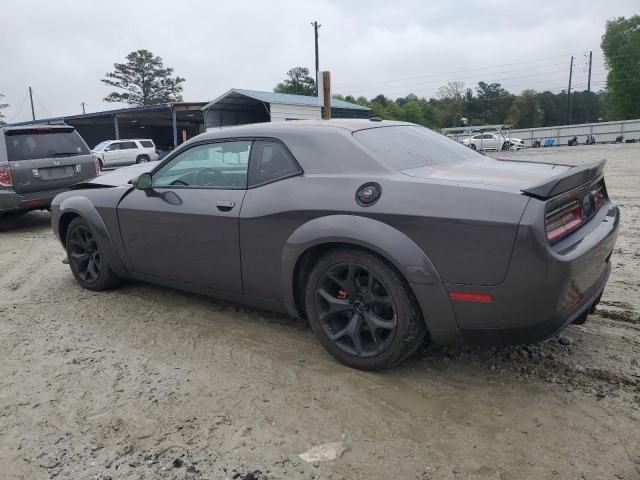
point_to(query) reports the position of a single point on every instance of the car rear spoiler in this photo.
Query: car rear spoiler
(567, 180)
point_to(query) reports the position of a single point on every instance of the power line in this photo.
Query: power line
(386, 84)
(42, 105)
(442, 80)
(24, 100)
(455, 72)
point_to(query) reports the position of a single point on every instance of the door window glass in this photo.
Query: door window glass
(213, 165)
(113, 146)
(128, 146)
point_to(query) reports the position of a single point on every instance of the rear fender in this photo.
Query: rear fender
(83, 207)
(391, 244)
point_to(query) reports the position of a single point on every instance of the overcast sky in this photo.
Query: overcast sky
(63, 48)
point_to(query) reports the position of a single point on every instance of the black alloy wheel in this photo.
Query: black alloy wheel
(86, 260)
(84, 254)
(356, 310)
(362, 310)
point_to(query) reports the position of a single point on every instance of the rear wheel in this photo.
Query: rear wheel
(473, 147)
(362, 311)
(88, 265)
(142, 159)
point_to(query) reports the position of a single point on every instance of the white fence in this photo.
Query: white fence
(604, 132)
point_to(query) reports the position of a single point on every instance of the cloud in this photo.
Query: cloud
(63, 48)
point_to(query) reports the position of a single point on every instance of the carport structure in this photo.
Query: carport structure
(239, 106)
(167, 125)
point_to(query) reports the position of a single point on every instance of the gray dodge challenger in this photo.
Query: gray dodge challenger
(380, 233)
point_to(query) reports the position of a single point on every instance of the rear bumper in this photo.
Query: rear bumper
(11, 201)
(546, 287)
(545, 329)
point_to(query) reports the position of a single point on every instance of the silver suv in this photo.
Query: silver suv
(39, 161)
(125, 152)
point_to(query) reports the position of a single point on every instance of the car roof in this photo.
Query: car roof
(319, 146)
(129, 140)
(347, 124)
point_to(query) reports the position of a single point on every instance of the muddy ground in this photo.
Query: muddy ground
(146, 382)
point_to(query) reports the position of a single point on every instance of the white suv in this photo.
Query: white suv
(122, 152)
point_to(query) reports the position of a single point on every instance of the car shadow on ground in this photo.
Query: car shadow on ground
(29, 222)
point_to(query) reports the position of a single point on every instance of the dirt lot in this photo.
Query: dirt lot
(146, 382)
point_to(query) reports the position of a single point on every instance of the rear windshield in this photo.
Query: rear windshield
(405, 146)
(146, 143)
(33, 144)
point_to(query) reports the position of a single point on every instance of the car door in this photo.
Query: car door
(111, 154)
(185, 227)
(128, 152)
(492, 141)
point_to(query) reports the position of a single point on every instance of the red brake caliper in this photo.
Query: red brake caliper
(342, 295)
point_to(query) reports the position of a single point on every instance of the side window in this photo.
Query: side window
(271, 161)
(212, 165)
(146, 143)
(128, 146)
(113, 146)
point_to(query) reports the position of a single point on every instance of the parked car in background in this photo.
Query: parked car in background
(39, 161)
(380, 233)
(125, 152)
(493, 141)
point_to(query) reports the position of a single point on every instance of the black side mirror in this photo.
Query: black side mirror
(143, 182)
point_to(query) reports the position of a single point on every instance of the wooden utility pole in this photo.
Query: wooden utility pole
(589, 88)
(589, 79)
(316, 26)
(569, 93)
(33, 112)
(326, 95)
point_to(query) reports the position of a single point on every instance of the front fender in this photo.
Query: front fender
(82, 206)
(393, 245)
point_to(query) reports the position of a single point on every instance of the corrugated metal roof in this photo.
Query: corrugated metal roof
(286, 98)
(108, 113)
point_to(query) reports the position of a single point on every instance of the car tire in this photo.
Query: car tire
(356, 292)
(142, 159)
(88, 265)
(101, 165)
(473, 146)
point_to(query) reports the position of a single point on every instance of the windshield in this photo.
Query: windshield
(406, 146)
(101, 145)
(33, 144)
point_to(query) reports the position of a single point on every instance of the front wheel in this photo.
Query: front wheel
(362, 311)
(88, 265)
(473, 147)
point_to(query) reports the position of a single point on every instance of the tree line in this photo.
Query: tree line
(488, 104)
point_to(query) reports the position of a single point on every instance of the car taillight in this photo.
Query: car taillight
(563, 221)
(598, 198)
(97, 163)
(5, 177)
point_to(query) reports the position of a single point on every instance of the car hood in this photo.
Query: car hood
(503, 174)
(121, 176)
